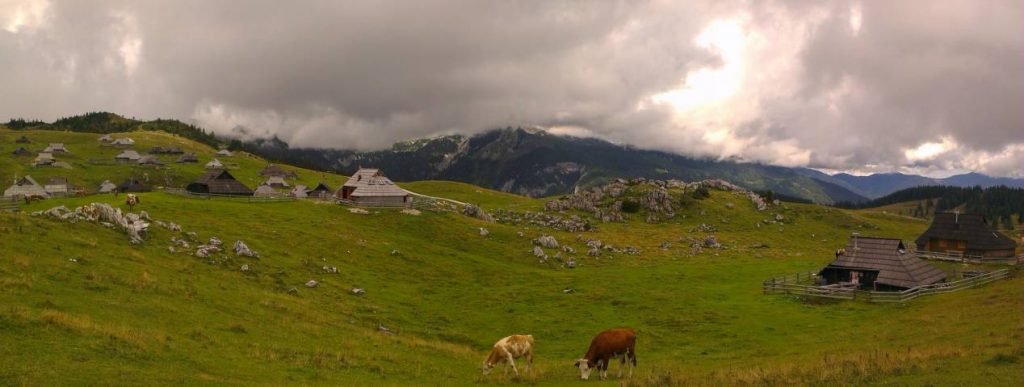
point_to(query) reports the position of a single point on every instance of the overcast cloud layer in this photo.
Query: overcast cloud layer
(930, 87)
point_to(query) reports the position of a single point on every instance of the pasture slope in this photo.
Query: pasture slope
(79, 305)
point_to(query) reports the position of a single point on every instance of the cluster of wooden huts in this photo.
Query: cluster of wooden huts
(886, 263)
(367, 187)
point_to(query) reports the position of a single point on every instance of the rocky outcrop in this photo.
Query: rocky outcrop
(473, 211)
(131, 224)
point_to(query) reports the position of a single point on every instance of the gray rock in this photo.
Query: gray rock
(214, 241)
(242, 249)
(539, 253)
(484, 232)
(245, 268)
(312, 284)
(358, 291)
(547, 241)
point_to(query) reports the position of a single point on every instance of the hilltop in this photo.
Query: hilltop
(84, 305)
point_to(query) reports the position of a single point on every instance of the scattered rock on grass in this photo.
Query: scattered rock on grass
(312, 284)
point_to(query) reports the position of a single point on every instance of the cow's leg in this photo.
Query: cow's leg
(602, 368)
(529, 361)
(622, 363)
(512, 362)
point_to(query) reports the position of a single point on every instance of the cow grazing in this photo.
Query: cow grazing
(131, 201)
(612, 343)
(507, 350)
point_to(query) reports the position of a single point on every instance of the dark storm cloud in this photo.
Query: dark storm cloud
(925, 86)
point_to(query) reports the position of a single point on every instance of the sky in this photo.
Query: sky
(927, 87)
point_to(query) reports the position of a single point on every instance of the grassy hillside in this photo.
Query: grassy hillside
(80, 305)
(91, 162)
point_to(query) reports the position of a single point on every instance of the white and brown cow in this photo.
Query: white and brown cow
(507, 350)
(607, 345)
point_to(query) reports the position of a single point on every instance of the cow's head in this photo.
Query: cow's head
(585, 368)
(487, 367)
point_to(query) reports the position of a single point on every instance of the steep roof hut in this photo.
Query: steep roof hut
(25, 186)
(264, 191)
(107, 187)
(299, 191)
(321, 191)
(44, 159)
(880, 263)
(134, 185)
(57, 186)
(218, 182)
(56, 147)
(188, 158)
(214, 164)
(966, 234)
(225, 153)
(21, 151)
(274, 170)
(22, 140)
(369, 187)
(124, 141)
(106, 138)
(149, 160)
(128, 155)
(277, 182)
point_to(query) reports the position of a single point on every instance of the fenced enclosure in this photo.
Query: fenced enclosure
(804, 284)
(954, 256)
(237, 198)
(11, 204)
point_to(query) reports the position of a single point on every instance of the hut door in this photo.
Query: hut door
(855, 277)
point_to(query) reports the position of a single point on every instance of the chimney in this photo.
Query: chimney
(855, 235)
(956, 216)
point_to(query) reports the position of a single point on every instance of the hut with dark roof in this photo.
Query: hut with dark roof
(188, 158)
(272, 170)
(369, 187)
(21, 151)
(880, 264)
(22, 140)
(321, 191)
(964, 234)
(149, 160)
(128, 156)
(218, 182)
(134, 185)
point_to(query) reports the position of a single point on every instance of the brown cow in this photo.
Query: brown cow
(612, 343)
(508, 349)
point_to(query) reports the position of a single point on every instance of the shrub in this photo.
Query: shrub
(701, 193)
(630, 206)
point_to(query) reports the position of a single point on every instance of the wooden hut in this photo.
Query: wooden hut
(149, 160)
(56, 147)
(369, 187)
(225, 153)
(57, 186)
(44, 159)
(22, 140)
(299, 192)
(134, 185)
(123, 142)
(964, 234)
(25, 186)
(881, 264)
(21, 151)
(107, 187)
(321, 191)
(277, 182)
(215, 164)
(218, 182)
(272, 170)
(128, 156)
(106, 138)
(264, 191)
(188, 158)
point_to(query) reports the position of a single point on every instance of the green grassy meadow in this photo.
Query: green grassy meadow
(79, 305)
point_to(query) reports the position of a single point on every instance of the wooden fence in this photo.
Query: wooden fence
(10, 205)
(804, 284)
(965, 258)
(237, 198)
(945, 287)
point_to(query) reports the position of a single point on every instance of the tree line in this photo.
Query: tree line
(999, 204)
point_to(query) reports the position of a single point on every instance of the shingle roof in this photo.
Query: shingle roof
(965, 227)
(264, 190)
(889, 257)
(132, 185)
(220, 182)
(25, 186)
(107, 186)
(278, 181)
(128, 155)
(188, 158)
(149, 159)
(214, 164)
(55, 147)
(369, 182)
(274, 170)
(299, 191)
